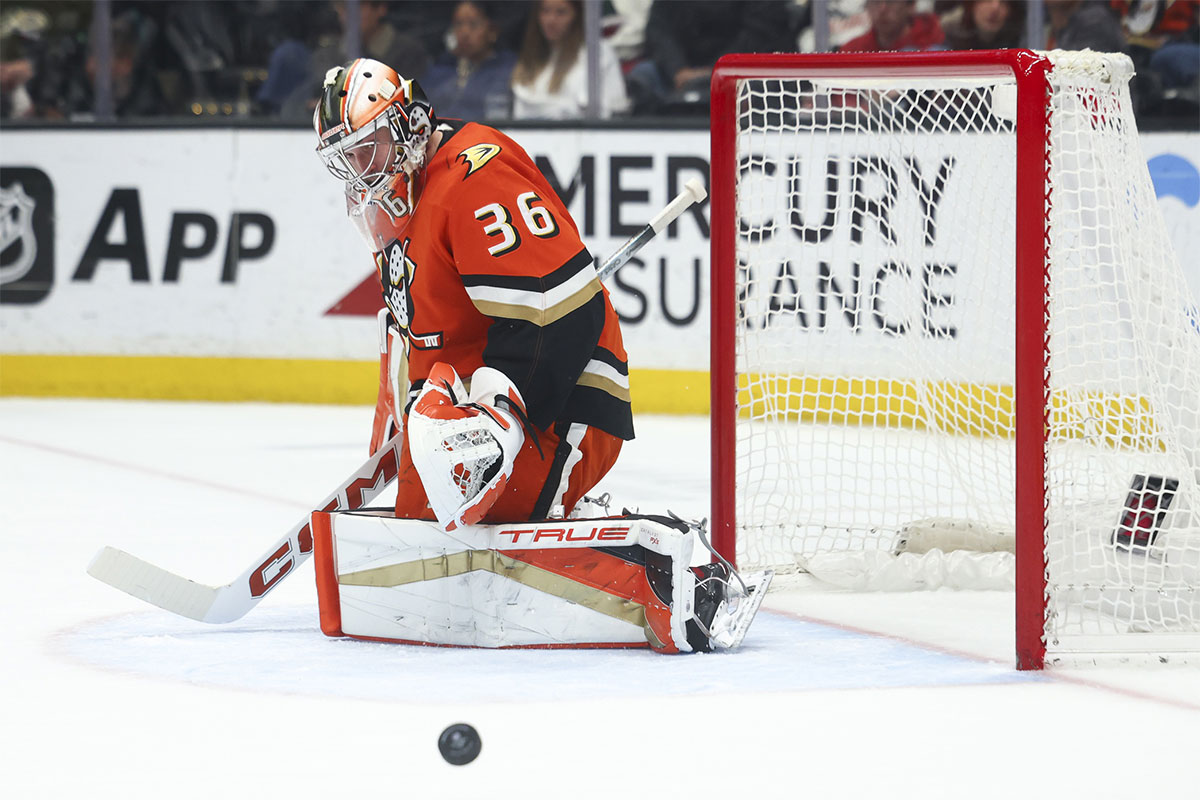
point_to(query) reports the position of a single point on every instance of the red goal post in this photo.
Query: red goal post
(874, 117)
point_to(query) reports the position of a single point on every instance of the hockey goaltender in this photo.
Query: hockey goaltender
(504, 385)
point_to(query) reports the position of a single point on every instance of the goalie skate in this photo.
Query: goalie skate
(736, 612)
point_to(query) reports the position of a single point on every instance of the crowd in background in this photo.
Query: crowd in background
(220, 59)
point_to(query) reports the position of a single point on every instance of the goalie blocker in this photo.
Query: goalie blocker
(607, 582)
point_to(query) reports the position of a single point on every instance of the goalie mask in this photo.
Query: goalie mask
(374, 127)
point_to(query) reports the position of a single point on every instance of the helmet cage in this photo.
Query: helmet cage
(365, 160)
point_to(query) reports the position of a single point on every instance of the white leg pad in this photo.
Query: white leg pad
(407, 580)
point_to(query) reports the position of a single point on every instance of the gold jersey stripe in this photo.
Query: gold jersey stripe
(539, 316)
(605, 385)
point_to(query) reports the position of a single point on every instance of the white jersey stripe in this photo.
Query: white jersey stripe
(539, 301)
(606, 371)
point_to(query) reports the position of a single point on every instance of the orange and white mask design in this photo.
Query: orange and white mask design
(374, 128)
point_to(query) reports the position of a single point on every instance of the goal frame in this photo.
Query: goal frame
(1031, 397)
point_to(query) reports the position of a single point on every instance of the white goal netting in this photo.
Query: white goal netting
(875, 334)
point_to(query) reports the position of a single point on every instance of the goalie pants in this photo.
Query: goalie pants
(573, 457)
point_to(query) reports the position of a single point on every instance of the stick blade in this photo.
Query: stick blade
(152, 584)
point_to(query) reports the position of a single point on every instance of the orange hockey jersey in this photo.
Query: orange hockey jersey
(490, 271)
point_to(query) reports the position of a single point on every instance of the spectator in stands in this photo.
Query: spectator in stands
(294, 72)
(510, 18)
(1178, 62)
(15, 75)
(381, 40)
(684, 39)
(625, 29)
(135, 89)
(896, 26)
(472, 81)
(204, 54)
(23, 32)
(847, 19)
(550, 80)
(41, 48)
(1082, 25)
(985, 25)
(1164, 35)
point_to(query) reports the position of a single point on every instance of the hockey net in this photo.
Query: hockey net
(945, 306)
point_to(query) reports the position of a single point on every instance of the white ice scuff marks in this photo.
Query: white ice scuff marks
(280, 650)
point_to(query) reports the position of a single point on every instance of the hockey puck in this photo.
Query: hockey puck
(460, 744)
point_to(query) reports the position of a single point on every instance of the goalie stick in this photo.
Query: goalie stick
(219, 604)
(232, 601)
(693, 192)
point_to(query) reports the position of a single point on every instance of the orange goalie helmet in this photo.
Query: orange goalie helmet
(374, 126)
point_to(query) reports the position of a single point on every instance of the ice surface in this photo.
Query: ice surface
(261, 651)
(833, 694)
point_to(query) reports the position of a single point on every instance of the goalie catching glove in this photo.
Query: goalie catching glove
(464, 444)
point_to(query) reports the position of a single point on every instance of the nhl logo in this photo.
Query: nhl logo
(18, 245)
(26, 235)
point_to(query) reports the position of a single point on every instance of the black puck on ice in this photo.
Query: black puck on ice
(460, 744)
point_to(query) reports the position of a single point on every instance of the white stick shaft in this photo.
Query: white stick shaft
(693, 192)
